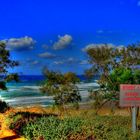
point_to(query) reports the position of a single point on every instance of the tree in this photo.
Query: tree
(122, 75)
(5, 64)
(62, 87)
(115, 66)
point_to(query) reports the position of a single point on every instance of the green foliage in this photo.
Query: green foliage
(53, 128)
(20, 119)
(12, 77)
(122, 75)
(6, 63)
(61, 86)
(111, 128)
(3, 106)
(71, 78)
(105, 59)
(67, 94)
(81, 127)
(3, 85)
(98, 98)
(115, 66)
(130, 55)
(109, 90)
(136, 76)
(119, 76)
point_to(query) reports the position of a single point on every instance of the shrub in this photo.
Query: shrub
(78, 128)
(62, 86)
(21, 119)
(53, 128)
(3, 106)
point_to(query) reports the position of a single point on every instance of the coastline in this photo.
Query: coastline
(29, 95)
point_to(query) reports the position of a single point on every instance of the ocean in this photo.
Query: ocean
(27, 93)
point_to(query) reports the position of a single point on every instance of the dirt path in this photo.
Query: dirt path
(5, 133)
(9, 135)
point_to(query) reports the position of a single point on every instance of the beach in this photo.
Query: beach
(27, 93)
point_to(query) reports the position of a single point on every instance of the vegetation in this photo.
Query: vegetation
(115, 66)
(5, 76)
(21, 119)
(54, 130)
(83, 126)
(62, 87)
(4, 106)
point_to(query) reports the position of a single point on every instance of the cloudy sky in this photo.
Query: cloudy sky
(55, 33)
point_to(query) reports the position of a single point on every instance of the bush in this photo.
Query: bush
(78, 128)
(3, 106)
(21, 119)
(112, 128)
(53, 128)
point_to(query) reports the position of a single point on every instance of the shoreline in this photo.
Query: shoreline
(26, 94)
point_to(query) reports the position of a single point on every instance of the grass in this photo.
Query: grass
(50, 123)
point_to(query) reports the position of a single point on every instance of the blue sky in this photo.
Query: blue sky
(54, 33)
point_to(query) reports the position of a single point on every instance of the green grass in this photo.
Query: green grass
(83, 126)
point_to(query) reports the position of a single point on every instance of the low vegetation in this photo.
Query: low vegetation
(83, 125)
(4, 106)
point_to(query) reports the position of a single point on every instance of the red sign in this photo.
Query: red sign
(129, 95)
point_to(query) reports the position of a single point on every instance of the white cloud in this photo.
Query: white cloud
(110, 45)
(63, 42)
(47, 55)
(19, 44)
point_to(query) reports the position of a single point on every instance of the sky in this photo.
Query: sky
(56, 33)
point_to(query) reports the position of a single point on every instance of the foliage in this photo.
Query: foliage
(115, 66)
(3, 106)
(61, 86)
(123, 76)
(79, 127)
(71, 78)
(18, 120)
(136, 76)
(53, 128)
(5, 64)
(97, 97)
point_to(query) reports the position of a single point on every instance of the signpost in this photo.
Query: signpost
(130, 97)
(134, 122)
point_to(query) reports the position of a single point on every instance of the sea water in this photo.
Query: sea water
(27, 91)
